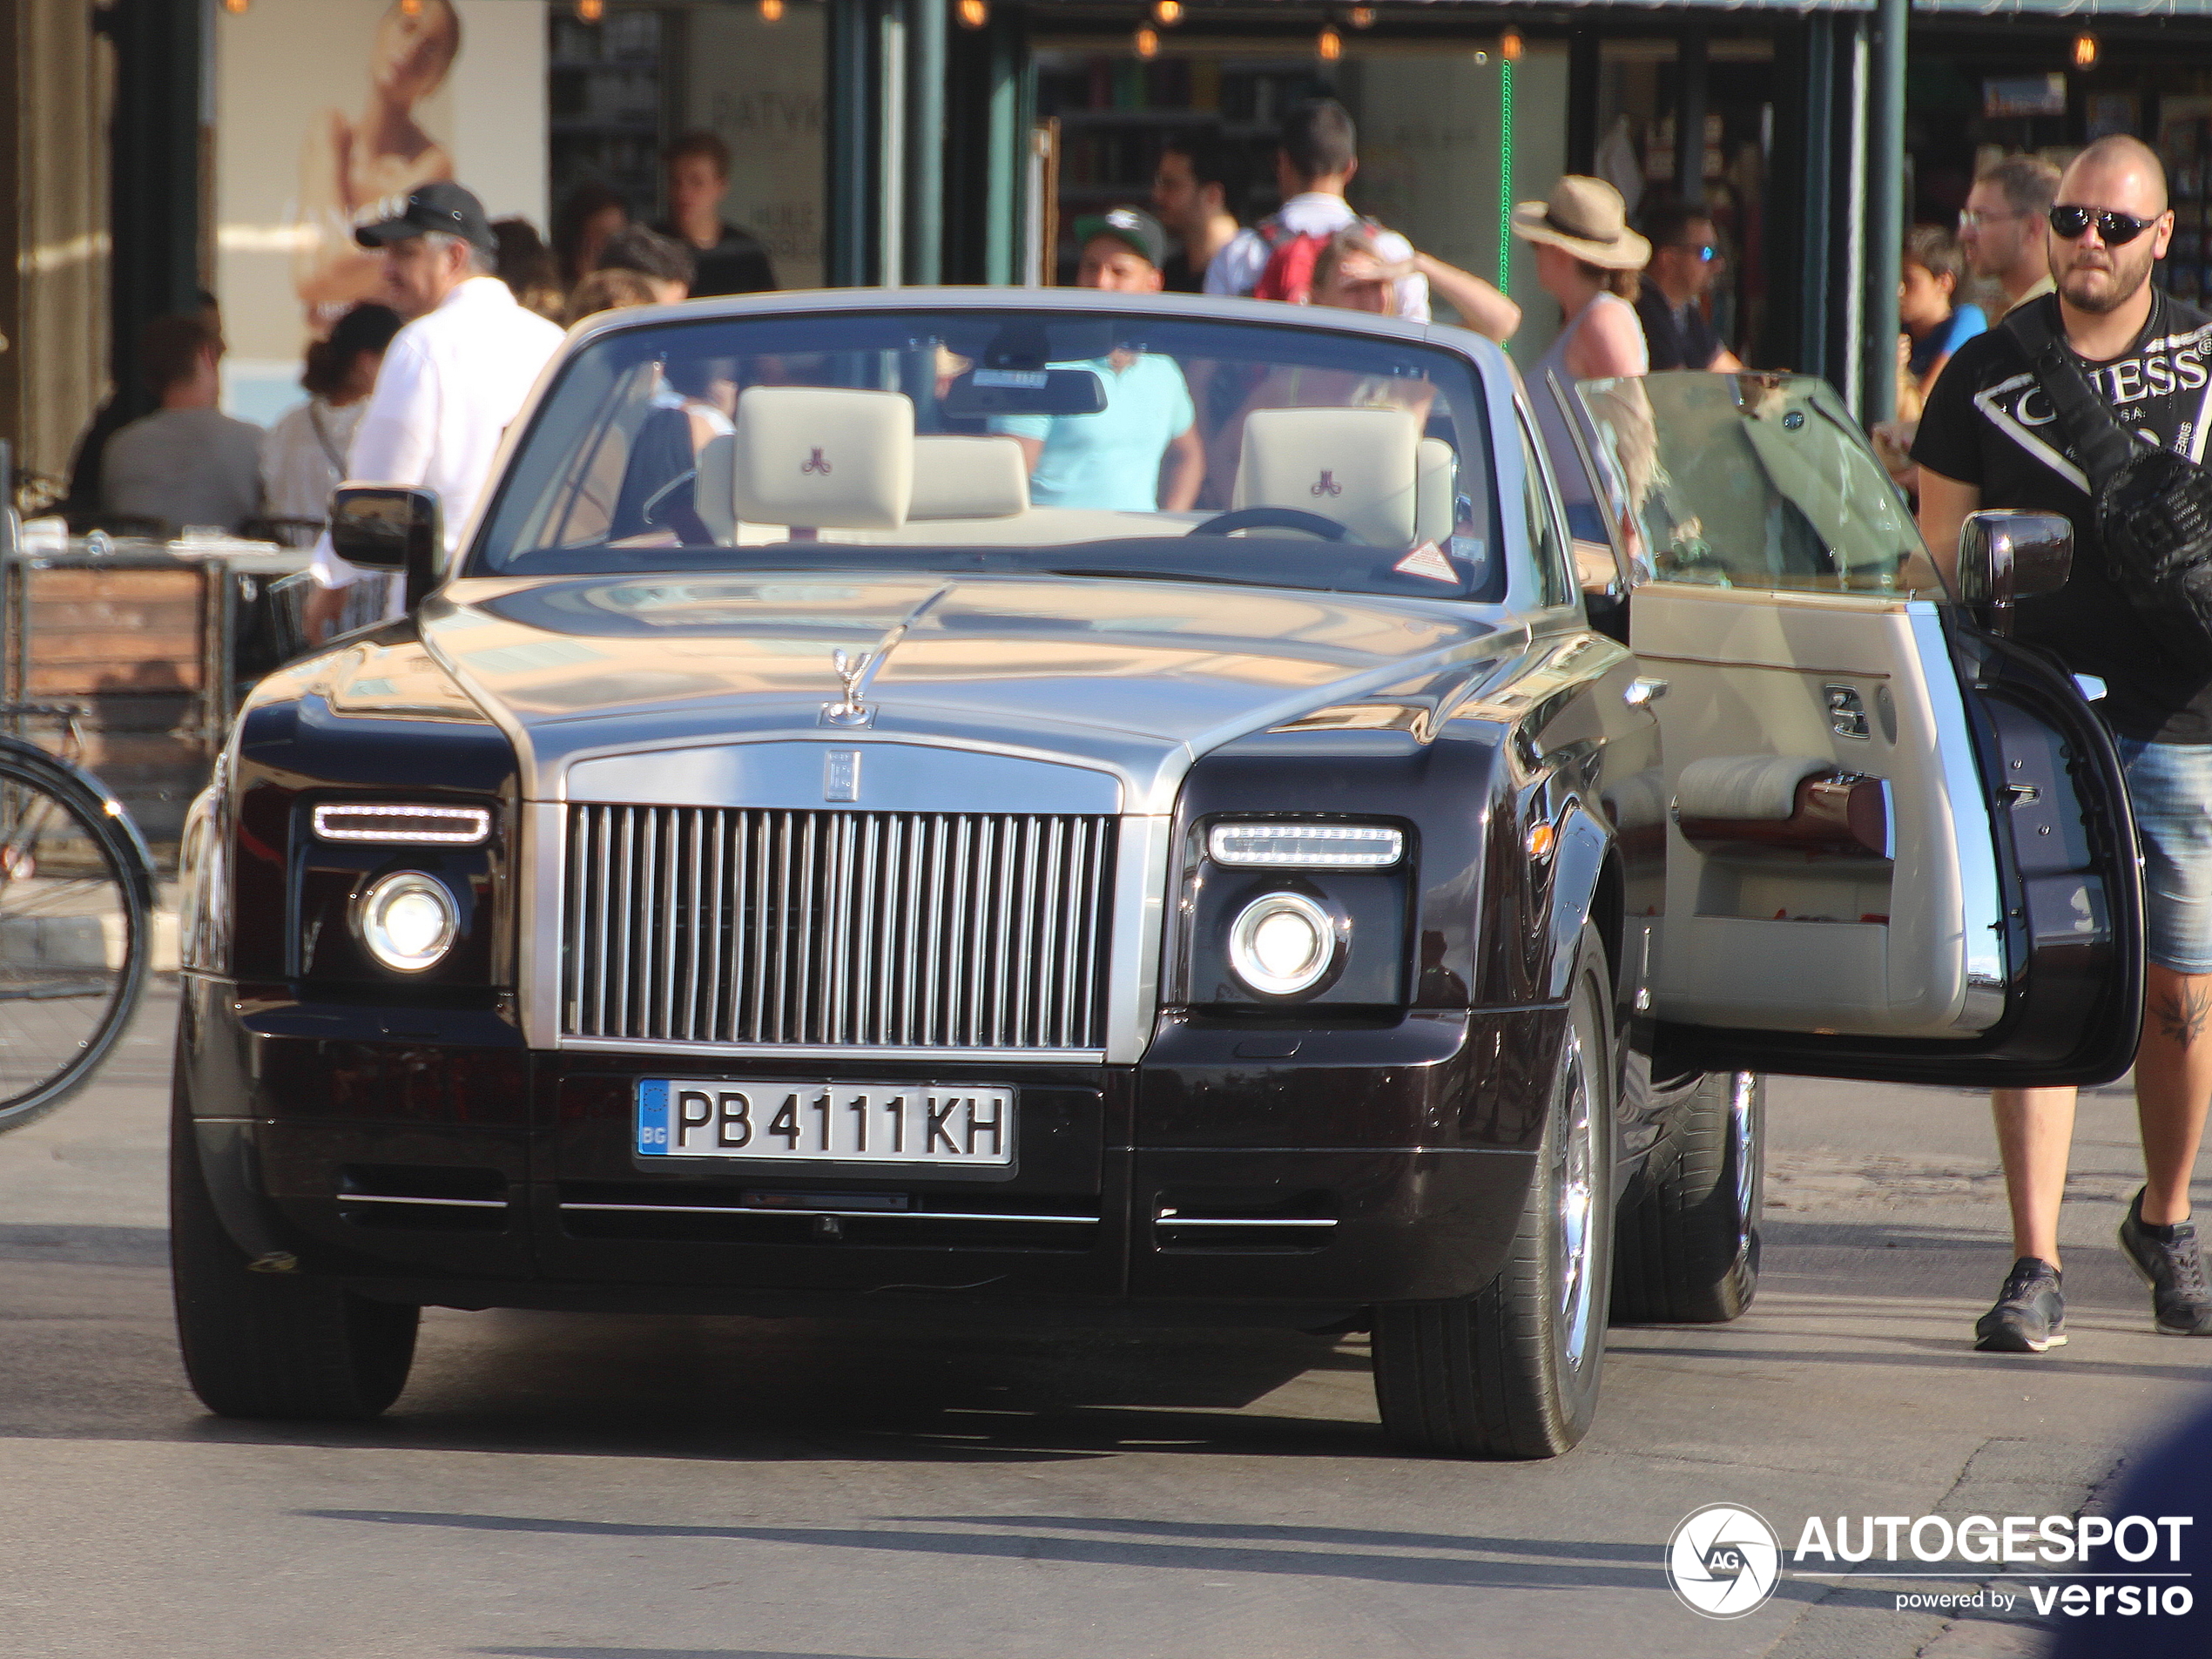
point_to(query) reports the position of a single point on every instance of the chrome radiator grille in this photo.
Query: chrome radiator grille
(906, 930)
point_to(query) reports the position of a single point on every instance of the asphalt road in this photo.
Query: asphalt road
(667, 1488)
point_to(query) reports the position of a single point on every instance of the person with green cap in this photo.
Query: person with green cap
(1142, 452)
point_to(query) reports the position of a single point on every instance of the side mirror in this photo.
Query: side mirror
(2005, 555)
(389, 527)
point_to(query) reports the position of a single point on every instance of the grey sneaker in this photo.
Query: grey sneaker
(2030, 1314)
(2170, 1262)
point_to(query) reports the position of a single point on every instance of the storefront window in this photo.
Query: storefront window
(1638, 150)
(622, 89)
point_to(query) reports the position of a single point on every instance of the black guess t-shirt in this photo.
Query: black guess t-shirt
(1989, 423)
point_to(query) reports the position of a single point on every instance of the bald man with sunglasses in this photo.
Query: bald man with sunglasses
(1989, 438)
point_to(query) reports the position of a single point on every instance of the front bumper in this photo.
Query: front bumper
(1234, 1175)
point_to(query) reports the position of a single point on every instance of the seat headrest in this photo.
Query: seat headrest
(710, 489)
(823, 458)
(1436, 506)
(1358, 467)
(965, 477)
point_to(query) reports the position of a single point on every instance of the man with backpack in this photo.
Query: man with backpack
(1274, 260)
(2057, 409)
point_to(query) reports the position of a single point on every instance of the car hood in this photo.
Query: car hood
(1133, 677)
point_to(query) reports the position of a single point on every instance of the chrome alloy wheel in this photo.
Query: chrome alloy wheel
(1574, 1184)
(1743, 1148)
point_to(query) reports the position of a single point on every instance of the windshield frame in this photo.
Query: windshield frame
(1489, 372)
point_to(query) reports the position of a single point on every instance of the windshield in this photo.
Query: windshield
(1008, 438)
(1749, 481)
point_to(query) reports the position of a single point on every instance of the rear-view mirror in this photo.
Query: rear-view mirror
(2007, 554)
(1025, 391)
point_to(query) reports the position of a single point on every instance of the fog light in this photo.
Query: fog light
(408, 921)
(1281, 944)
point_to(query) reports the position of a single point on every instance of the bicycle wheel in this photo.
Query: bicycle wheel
(75, 894)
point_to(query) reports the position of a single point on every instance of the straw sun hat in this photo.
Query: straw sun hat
(1587, 217)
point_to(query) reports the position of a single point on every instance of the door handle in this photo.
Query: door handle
(1643, 693)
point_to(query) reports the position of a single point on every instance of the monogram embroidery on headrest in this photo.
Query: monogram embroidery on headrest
(816, 462)
(1328, 485)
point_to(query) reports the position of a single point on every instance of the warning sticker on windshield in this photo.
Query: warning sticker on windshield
(1427, 560)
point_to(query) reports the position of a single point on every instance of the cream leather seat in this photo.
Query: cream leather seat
(1358, 467)
(969, 477)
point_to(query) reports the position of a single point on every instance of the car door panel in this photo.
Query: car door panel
(1990, 934)
(1773, 938)
(2070, 902)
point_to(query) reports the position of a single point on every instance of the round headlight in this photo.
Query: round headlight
(408, 921)
(1282, 943)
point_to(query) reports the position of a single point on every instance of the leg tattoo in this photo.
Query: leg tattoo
(2182, 1015)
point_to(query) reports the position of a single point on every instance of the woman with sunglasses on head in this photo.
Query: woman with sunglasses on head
(1992, 435)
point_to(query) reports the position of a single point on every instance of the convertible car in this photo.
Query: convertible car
(1051, 806)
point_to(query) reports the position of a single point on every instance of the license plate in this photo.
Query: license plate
(815, 1122)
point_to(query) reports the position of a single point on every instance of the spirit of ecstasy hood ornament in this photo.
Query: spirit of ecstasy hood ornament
(853, 670)
(856, 672)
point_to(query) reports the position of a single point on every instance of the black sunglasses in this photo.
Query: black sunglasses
(2113, 227)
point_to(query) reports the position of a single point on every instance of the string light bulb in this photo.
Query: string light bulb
(1510, 45)
(234, 6)
(1167, 13)
(410, 8)
(973, 14)
(1328, 44)
(2085, 51)
(772, 10)
(586, 10)
(1147, 42)
(1361, 16)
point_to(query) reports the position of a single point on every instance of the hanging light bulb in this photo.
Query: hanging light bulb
(2085, 51)
(1147, 42)
(1328, 44)
(410, 8)
(973, 14)
(1361, 16)
(1168, 13)
(234, 6)
(586, 10)
(1510, 45)
(772, 10)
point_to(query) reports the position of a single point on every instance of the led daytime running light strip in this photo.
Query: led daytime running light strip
(1314, 847)
(444, 825)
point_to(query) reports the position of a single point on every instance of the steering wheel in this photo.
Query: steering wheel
(1272, 518)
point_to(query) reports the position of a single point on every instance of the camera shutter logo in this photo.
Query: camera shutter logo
(1723, 1562)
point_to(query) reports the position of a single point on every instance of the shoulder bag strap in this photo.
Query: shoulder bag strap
(2101, 442)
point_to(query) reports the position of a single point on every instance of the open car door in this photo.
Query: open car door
(1898, 845)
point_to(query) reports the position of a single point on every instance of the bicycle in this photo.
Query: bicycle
(75, 905)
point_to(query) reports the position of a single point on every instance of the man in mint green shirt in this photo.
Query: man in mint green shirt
(1114, 459)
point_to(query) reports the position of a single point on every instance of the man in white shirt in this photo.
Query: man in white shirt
(1318, 155)
(454, 378)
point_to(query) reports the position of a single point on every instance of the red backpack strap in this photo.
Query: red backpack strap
(1289, 275)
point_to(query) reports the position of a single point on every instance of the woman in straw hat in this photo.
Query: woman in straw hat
(1587, 259)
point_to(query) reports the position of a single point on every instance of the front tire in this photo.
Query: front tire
(1689, 1220)
(1512, 1370)
(273, 1345)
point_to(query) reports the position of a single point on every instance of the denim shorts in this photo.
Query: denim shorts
(2170, 786)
